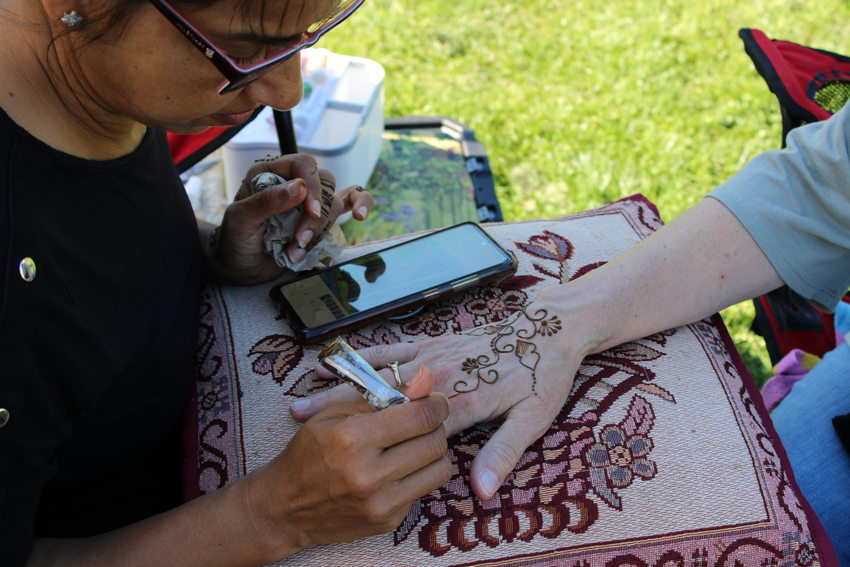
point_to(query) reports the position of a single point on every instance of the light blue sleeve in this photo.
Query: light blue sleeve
(796, 205)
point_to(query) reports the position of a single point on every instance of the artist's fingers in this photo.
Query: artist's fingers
(310, 229)
(416, 386)
(305, 408)
(252, 211)
(357, 200)
(292, 166)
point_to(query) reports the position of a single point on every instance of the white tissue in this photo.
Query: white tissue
(280, 231)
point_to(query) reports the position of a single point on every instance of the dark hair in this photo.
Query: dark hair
(114, 20)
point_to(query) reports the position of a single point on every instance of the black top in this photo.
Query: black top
(96, 351)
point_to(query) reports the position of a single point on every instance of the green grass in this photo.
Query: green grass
(580, 103)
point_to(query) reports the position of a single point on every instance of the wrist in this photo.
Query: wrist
(586, 314)
(267, 516)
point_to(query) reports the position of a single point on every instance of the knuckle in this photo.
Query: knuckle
(376, 512)
(360, 483)
(304, 160)
(428, 415)
(503, 453)
(326, 177)
(445, 471)
(346, 439)
(437, 444)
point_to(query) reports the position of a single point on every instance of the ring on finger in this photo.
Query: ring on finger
(393, 366)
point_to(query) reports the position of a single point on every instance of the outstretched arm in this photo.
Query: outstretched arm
(701, 262)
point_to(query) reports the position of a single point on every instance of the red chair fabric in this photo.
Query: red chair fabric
(811, 85)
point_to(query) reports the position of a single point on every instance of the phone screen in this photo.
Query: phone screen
(413, 267)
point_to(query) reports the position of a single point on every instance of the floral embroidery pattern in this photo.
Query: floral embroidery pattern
(561, 479)
(621, 454)
(606, 443)
(278, 354)
(480, 306)
(548, 246)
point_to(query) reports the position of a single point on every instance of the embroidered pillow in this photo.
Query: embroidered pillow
(662, 455)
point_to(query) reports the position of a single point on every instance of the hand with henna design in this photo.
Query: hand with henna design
(517, 371)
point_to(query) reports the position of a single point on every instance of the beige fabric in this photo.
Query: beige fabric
(659, 457)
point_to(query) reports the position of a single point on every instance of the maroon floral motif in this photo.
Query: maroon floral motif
(805, 556)
(480, 306)
(207, 361)
(491, 304)
(212, 460)
(560, 480)
(436, 322)
(379, 335)
(310, 383)
(515, 283)
(586, 269)
(548, 246)
(278, 354)
(620, 455)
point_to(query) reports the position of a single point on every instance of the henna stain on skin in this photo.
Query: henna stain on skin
(508, 338)
(267, 158)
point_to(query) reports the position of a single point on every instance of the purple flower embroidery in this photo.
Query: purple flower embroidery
(616, 459)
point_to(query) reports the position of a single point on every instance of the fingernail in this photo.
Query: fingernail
(294, 187)
(488, 482)
(316, 208)
(301, 405)
(305, 237)
(362, 211)
(297, 254)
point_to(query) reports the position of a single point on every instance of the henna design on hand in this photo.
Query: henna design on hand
(268, 157)
(508, 338)
(327, 200)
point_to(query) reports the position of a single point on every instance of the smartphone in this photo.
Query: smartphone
(394, 281)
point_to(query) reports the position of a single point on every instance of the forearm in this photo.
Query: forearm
(213, 269)
(217, 529)
(701, 262)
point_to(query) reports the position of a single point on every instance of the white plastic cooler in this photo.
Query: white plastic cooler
(340, 121)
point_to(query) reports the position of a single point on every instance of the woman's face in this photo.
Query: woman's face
(154, 75)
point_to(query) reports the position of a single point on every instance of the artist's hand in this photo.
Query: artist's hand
(352, 472)
(236, 248)
(519, 371)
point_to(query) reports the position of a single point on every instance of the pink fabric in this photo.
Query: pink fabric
(662, 455)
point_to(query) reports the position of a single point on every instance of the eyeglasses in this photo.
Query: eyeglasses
(239, 74)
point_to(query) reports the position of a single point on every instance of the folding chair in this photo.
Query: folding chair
(811, 85)
(189, 149)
